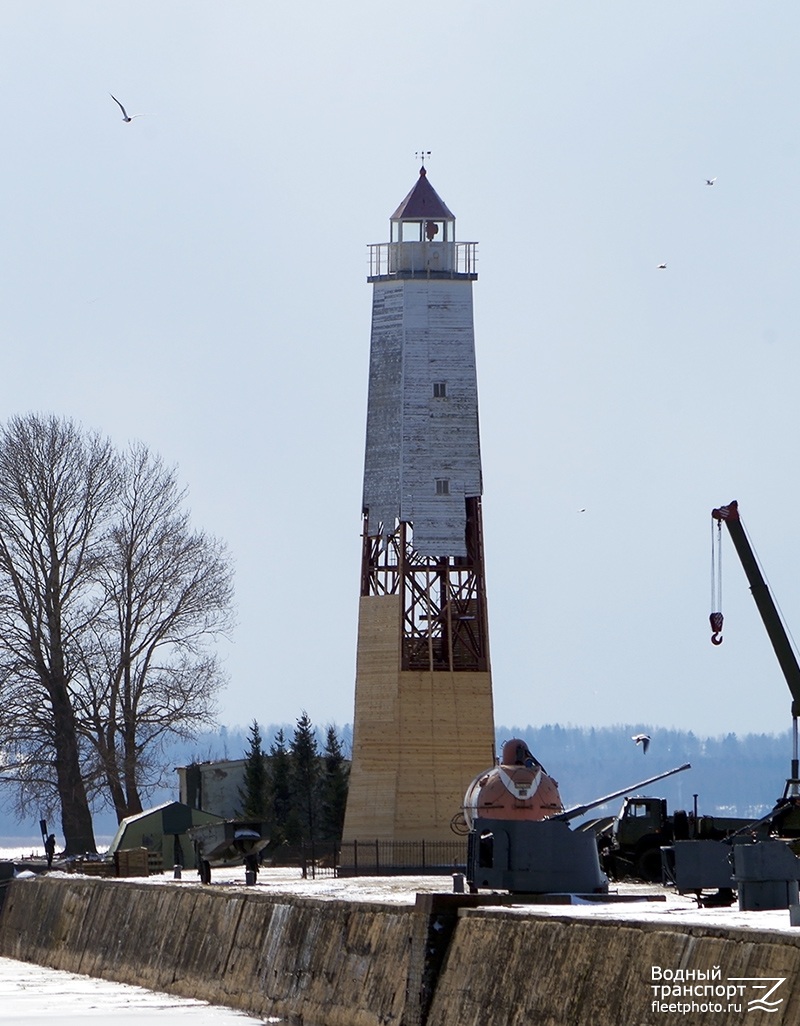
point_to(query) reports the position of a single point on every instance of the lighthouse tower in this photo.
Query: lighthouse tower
(423, 724)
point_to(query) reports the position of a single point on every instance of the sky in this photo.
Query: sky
(196, 280)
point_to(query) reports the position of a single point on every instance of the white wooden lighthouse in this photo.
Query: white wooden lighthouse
(423, 724)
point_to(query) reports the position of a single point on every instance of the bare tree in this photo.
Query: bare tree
(56, 490)
(109, 602)
(166, 594)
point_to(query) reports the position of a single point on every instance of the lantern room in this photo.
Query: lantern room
(422, 233)
(423, 216)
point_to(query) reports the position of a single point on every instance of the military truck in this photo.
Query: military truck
(630, 843)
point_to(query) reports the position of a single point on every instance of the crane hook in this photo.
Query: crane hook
(716, 627)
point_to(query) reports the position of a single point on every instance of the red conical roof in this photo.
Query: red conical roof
(423, 202)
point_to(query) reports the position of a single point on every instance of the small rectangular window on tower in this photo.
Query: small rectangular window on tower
(442, 486)
(440, 390)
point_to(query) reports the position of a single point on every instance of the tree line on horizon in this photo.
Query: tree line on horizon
(731, 774)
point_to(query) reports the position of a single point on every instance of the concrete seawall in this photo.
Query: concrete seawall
(565, 972)
(341, 963)
(331, 963)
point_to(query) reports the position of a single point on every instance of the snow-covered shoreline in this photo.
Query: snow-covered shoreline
(33, 993)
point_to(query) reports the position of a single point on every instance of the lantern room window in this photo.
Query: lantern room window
(434, 230)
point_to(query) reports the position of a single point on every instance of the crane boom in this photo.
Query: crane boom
(764, 601)
(772, 622)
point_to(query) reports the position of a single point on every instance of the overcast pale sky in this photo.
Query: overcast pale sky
(196, 279)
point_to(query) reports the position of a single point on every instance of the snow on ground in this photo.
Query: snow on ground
(402, 890)
(668, 906)
(32, 994)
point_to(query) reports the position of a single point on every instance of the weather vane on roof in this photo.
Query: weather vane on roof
(422, 155)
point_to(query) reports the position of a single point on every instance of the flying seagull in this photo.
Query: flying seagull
(643, 740)
(662, 267)
(125, 115)
(710, 181)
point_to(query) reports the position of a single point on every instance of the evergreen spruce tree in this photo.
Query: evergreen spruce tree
(334, 788)
(253, 795)
(305, 773)
(279, 793)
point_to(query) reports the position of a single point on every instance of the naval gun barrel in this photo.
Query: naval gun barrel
(578, 810)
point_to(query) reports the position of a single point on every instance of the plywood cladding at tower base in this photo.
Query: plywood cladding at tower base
(423, 726)
(419, 737)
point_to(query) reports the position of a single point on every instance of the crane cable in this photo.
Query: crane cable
(715, 619)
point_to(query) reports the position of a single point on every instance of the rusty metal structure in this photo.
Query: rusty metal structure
(443, 598)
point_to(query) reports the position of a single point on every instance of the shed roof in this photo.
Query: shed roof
(423, 202)
(169, 817)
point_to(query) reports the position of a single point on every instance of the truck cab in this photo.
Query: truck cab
(637, 835)
(639, 818)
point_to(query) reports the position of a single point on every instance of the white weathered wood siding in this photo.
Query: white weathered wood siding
(422, 332)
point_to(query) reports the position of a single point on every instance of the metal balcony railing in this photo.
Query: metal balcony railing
(441, 258)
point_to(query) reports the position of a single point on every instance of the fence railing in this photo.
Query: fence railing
(317, 859)
(383, 858)
(374, 858)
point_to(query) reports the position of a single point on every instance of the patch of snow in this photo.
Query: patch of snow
(34, 994)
